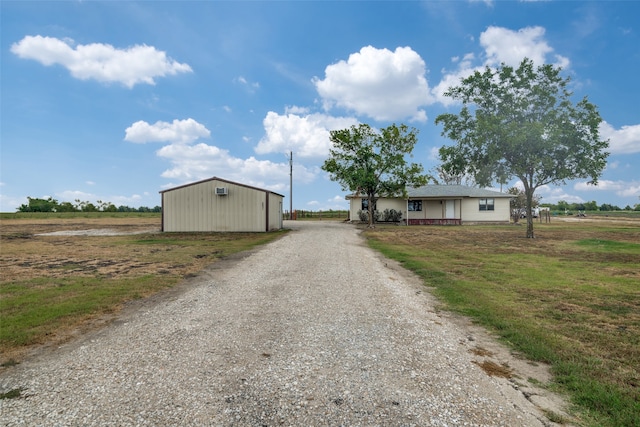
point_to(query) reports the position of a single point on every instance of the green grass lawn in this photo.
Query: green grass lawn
(570, 298)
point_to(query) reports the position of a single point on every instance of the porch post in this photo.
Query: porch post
(406, 210)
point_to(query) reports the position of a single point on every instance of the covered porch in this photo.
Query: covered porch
(436, 221)
(430, 211)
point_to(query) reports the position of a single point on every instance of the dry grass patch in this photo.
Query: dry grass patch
(54, 285)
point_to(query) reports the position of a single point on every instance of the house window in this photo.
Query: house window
(486, 204)
(365, 205)
(415, 205)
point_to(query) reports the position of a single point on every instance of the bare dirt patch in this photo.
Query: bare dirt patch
(60, 248)
(495, 370)
(121, 225)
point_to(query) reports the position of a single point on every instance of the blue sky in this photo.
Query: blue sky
(116, 101)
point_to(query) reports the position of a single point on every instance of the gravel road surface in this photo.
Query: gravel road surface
(314, 329)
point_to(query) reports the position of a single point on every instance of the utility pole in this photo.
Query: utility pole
(291, 185)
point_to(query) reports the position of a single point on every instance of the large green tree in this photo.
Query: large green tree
(374, 163)
(521, 122)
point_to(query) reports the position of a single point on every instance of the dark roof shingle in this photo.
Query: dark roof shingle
(448, 191)
(452, 191)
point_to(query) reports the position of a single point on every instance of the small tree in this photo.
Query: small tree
(591, 206)
(374, 164)
(89, 207)
(66, 207)
(451, 177)
(606, 207)
(519, 202)
(39, 205)
(521, 122)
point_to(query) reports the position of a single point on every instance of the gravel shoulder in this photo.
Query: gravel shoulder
(313, 329)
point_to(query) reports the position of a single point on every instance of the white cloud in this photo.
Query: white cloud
(101, 62)
(378, 83)
(307, 136)
(625, 140)
(73, 195)
(335, 203)
(133, 200)
(201, 161)
(511, 47)
(11, 203)
(464, 70)
(488, 3)
(620, 188)
(294, 109)
(177, 132)
(192, 162)
(434, 153)
(633, 190)
(555, 194)
(251, 87)
(501, 45)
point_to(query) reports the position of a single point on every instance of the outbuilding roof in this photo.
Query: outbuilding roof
(215, 178)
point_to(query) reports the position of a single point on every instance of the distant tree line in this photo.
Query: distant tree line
(589, 206)
(518, 204)
(52, 205)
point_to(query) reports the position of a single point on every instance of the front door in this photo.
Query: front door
(450, 209)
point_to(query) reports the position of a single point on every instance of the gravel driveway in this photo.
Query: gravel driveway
(314, 329)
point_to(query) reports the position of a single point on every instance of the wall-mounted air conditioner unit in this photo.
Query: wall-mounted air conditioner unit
(222, 191)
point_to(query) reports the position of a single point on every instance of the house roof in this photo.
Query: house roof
(215, 178)
(439, 191)
(435, 191)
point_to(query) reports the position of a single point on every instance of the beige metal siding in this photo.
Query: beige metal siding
(471, 211)
(197, 208)
(434, 209)
(355, 205)
(275, 211)
(396, 204)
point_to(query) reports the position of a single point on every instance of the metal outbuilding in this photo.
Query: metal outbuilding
(216, 204)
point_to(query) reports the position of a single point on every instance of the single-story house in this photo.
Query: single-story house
(216, 204)
(441, 205)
